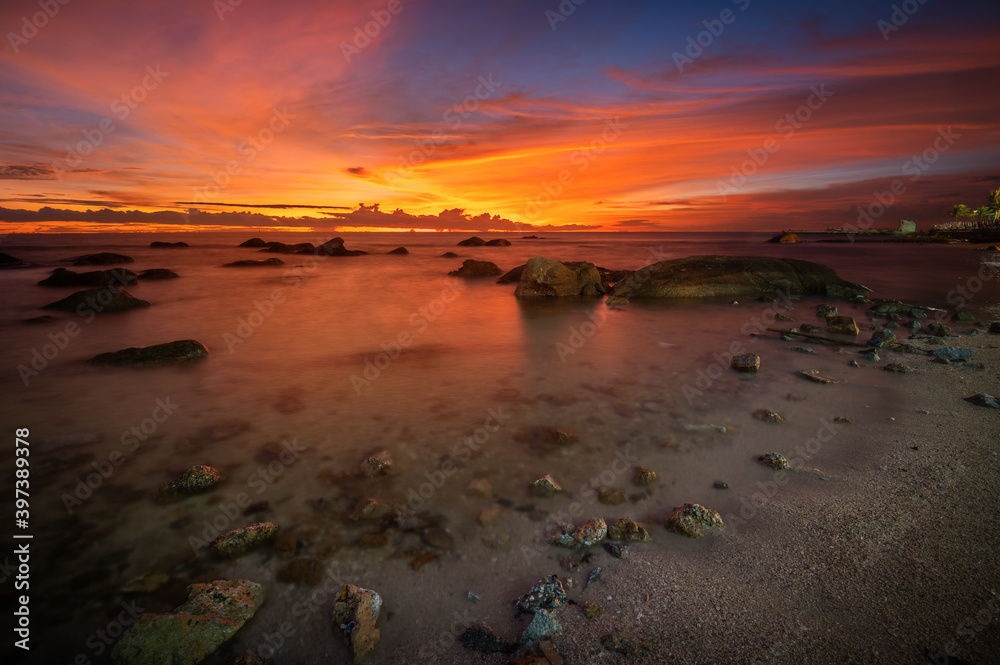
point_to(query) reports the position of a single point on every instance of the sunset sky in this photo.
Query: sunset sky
(495, 116)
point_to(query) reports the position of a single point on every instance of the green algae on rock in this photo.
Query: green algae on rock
(158, 354)
(240, 541)
(628, 530)
(692, 520)
(198, 478)
(774, 460)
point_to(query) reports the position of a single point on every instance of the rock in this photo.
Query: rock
(785, 238)
(160, 244)
(355, 612)
(815, 376)
(708, 429)
(240, 541)
(484, 639)
(546, 594)
(378, 464)
(983, 399)
(197, 479)
(800, 349)
(498, 242)
(251, 263)
(745, 362)
(298, 248)
(870, 354)
(449, 255)
(302, 571)
(592, 610)
(617, 550)
(963, 316)
(826, 311)
(889, 307)
(545, 487)
(995, 328)
(952, 353)
(768, 416)
(843, 421)
(537, 238)
(95, 278)
(399, 250)
(512, 276)
(542, 625)
(158, 354)
(719, 485)
(843, 325)
(628, 530)
(474, 268)
(590, 533)
(253, 242)
(371, 509)
(899, 368)
(474, 241)
(810, 328)
(644, 476)
(101, 259)
(776, 461)
(489, 516)
(155, 274)
(480, 487)
(103, 300)
(733, 276)
(611, 496)
(782, 317)
(937, 329)
(8, 261)
(693, 520)
(210, 616)
(882, 338)
(544, 277)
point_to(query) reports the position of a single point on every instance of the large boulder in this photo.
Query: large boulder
(158, 354)
(101, 259)
(785, 238)
(210, 616)
(355, 612)
(66, 277)
(162, 244)
(733, 276)
(8, 261)
(335, 247)
(474, 241)
(107, 299)
(253, 242)
(474, 268)
(548, 277)
(498, 242)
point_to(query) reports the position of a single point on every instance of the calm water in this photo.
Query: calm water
(340, 357)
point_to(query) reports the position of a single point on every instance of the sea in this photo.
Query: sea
(319, 363)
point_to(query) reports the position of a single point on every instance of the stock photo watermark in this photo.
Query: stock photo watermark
(899, 16)
(31, 25)
(365, 34)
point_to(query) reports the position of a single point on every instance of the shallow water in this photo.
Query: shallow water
(343, 356)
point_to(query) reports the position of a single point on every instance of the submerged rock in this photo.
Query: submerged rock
(776, 461)
(544, 277)
(693, 520)
(745, 362)
(371, 509)
(253, 242)
(101, 259)
(545, 487)
(843, 325)
(815, 376)
(240, 541)
(963, 316)
(399, 250)
(251, 263)
(611, 496)
(96, 278)
(197, 479)
(8, 261)
(474, 241)
(497, 242)
(474, 268)
(161, 244)
(628, 530)
(158, 274)
(937, 329)
(899, 368)
(108, 299)
(547, 593)
(210, 616)
(825, 311)
(768, 416)
(378, 464)
(484, 639)
(355, 612)
(785, 238)
(733, 276)
(645, 476)
(158, 354)
(449, 255)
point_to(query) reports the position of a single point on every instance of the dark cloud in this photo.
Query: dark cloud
(26, 172)
(277, 206)
(357, 170)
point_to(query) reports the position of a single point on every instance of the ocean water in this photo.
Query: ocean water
(318, 363)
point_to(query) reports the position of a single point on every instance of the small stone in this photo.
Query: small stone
(480, 487)
(594, 576)
(489, 516)
(768, 416)
(774, 460)
(370, 509)
(495, 540)
(377, 464)
(800, 349)
(937, 329)
(542, 625)
(645, 476)
(617, 550)
(892, 325)
(484, 639)
(355, 613)
(983, 399)
(843, 421)
(422, 559)
(611, 496)
(870, 354)
(963, 316)
(240, 541)
(782, 317)
(545, 487)
(854, 363)
(826, 311)
(628, 530)
(899, 368)
(952, 353)
(592, 610)
(746, 362)
(692, 520)
(719, 485)
(814, 375)
(196, 479)
(882, 338)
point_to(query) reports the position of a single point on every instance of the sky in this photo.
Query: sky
(495, 116)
